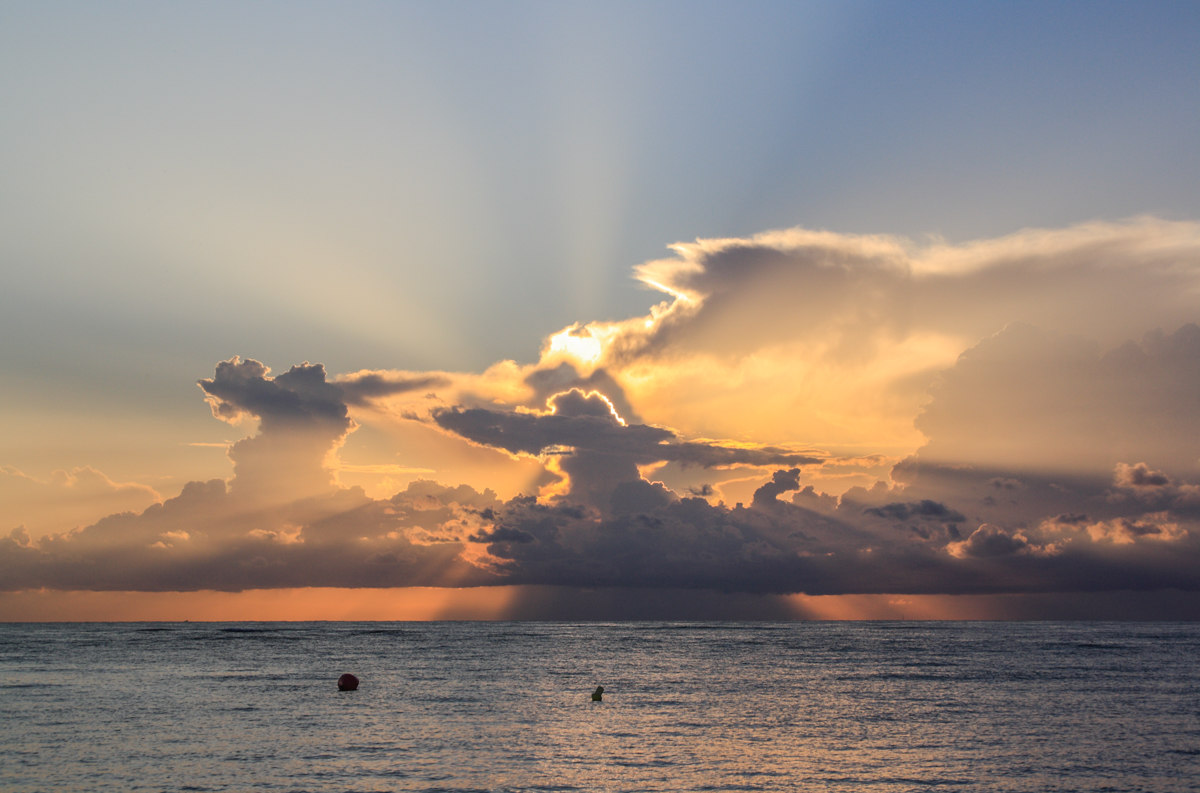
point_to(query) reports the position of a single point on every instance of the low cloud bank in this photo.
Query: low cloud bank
(433, 535)
(1136, 534)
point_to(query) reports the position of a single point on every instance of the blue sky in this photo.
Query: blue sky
(493, 172)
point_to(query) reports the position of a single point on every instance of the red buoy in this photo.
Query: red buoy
(347, 682)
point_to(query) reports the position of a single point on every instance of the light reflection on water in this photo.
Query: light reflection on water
(506, 706)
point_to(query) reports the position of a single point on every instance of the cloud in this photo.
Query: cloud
(836, 337)
(988, 541)
(66, 499)
(781, 482)
(1045, 439)
(801, 282)
(434, 535)
(925, 509)
(563, 377)
(841, 334)
(363, 387)
(298, 398)
(1153, 489)
(1068, 519)
(640, 497)
(207, 538)
(1123, 531)
(1140, 477)
(302, 419)
(595, 447)
(1030, 399)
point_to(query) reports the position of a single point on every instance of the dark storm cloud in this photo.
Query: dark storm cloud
(207, 538)
(639, 496)
(360, 389)
(501, 534)
(707, 455)
(594, 429)
(1069, 519)
(586, 423)
(686, 542)
(301, 418)
(595, 449)
(924, 509)
(299, 396)
(690, 543)
(781, 482)
(303, 393)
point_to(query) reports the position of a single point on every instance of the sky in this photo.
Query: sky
(599, 310)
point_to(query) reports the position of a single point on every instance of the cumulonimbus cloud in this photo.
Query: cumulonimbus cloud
(836, 338)
(1054, 452)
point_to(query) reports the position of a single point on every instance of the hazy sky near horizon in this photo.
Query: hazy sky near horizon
(908, 238)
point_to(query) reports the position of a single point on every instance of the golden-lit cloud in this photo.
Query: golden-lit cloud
(835, 339)
(66, 499)
(807, 412)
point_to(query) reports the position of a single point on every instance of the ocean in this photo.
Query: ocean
(487, 706)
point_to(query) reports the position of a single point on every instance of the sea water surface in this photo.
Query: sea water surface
(687, 707)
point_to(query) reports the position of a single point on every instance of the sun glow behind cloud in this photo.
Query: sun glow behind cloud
(1040, 455)
(576, 344)
(418, 199)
